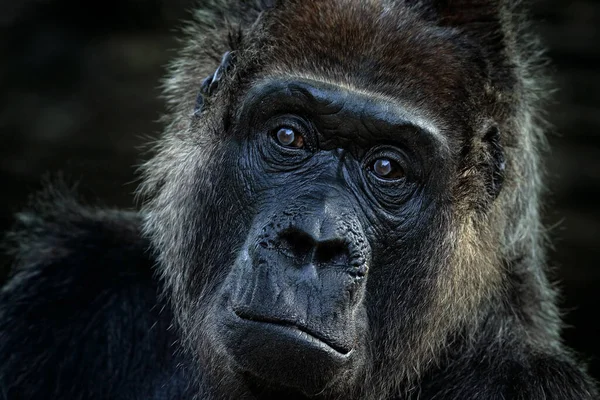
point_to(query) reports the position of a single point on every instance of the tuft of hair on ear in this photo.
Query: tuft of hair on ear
(215, 28)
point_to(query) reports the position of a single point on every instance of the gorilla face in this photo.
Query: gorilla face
(312, 219)
(332, 178)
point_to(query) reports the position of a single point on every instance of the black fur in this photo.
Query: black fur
(81, 317)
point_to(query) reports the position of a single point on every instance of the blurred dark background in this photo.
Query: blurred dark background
(79, 94)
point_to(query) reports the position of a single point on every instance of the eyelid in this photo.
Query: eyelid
(394, 154)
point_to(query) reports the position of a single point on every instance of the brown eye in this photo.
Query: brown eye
(387, 169)
(289, 138)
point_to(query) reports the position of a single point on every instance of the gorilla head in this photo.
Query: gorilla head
(353, 191)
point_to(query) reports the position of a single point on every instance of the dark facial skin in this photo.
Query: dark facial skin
(334, 177)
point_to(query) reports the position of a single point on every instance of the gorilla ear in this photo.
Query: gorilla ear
(495, 164)
(211, 83)
(240, 15)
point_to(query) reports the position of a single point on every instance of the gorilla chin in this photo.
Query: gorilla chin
(283, 354)
(288, 315)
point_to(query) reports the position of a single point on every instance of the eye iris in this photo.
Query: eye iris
(383, 167)
(286, 136)
(388, 169)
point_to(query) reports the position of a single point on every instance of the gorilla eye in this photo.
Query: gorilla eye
(287, 137)
(387, 169)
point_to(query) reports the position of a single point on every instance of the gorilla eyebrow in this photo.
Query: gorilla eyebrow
(293, 94)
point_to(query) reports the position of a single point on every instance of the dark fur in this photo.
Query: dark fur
(83, 282)
(82, 318)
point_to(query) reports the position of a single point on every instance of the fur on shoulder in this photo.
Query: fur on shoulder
(81, 305)
(57, 225)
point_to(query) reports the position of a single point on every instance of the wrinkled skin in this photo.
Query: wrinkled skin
(322, 220)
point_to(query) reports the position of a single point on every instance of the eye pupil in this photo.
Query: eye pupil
(288, 137)
(388, 169)
(382, 167)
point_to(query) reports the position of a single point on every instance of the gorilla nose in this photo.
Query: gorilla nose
(304, 248)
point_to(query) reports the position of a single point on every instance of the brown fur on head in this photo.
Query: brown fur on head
(464, 66)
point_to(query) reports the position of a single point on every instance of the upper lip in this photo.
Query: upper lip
(283, 322)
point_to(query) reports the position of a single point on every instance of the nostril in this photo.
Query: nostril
(296, 243)
(333, 252)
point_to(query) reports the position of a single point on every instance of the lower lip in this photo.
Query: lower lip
(294, 334)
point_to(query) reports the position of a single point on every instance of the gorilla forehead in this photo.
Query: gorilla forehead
(348, 114)
(380, 48)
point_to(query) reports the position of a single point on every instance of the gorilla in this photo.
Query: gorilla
(345, 204)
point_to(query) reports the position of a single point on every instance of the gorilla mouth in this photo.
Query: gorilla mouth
(297, 330)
